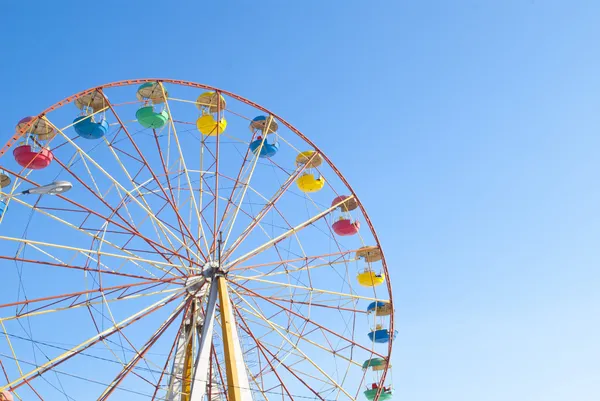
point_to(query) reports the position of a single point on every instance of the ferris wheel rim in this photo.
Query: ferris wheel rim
(74, 97)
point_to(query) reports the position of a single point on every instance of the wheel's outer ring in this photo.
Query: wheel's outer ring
(140, 81)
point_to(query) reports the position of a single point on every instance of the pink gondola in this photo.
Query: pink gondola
(30, 158)
(345, 227)
(6, 396)
(351, 204)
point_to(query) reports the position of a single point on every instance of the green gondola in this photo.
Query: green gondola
(148, 118)
(385, 395)
(375, 364)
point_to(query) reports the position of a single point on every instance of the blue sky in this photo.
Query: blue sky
(469, 130)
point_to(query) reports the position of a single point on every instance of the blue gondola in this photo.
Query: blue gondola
(380, 308)
(267, 150)
(2, 208)
(373, 306)
(261, 123)
(382, 335)
(87, 128)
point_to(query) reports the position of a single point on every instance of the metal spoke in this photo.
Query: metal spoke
(270, 204)
(283, 236)
(121, 187)
(86, 251)
(140, 354)
(187, 175)
(255, 294)
(87, 344)
(276, 330)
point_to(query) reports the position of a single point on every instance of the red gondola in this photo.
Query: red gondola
(6, 396)
(28, 157)
(345, 227)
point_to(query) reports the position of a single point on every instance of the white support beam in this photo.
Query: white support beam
(201, 371)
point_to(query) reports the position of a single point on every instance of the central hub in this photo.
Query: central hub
(210, 268)
(196, 285)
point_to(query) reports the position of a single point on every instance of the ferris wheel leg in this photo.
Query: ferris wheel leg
(191, 364)
(238, 386)
(180, 382)
(202, 370)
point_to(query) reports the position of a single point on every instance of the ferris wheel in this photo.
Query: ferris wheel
(167, 240)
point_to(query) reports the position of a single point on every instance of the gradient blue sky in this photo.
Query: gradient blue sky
(468, 128)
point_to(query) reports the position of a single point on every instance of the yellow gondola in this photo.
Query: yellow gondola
(207, 125)
(308, 183)
(369, 253)
(211, 102)
(308, 159)
(368, 278)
